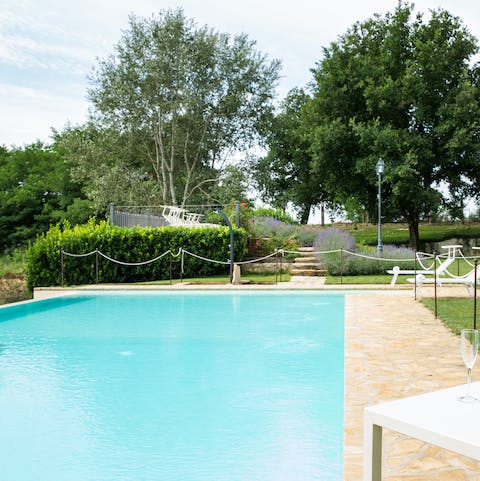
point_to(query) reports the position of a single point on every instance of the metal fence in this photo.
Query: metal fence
(131, 216)
(156, 216)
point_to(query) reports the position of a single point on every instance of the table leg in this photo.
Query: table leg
(372, 446)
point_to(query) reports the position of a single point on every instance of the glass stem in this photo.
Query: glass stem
(469, 379)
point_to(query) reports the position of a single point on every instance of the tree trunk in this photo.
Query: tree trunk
(413, 232)
(305, 213)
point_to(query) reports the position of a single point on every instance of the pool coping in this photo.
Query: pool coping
(49, 292)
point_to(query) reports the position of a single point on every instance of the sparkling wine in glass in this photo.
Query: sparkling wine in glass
(469, 350)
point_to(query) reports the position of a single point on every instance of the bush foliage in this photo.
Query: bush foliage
(357, 261)
(43, 258)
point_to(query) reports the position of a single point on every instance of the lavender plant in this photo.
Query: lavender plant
(332, 239)
(273, 234)
(371, 264)
(350, 260)
(306, 235)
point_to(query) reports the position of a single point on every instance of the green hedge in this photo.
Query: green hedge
(43, 258)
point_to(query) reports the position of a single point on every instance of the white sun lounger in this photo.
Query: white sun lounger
(468, 280)
(451, 256)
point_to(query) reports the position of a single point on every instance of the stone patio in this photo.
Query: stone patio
(394, 347)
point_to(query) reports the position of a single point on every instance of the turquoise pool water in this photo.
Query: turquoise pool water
(173, 387)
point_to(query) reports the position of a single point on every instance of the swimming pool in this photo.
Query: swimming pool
(189, 386)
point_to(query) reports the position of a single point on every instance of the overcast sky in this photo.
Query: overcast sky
(48, 47)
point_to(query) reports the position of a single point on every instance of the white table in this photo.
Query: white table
(437, 418)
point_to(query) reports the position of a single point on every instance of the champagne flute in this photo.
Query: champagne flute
(469, 350)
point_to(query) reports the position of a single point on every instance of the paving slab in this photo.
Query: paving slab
(394, 347)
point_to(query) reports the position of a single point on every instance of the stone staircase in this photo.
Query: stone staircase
(307, 264)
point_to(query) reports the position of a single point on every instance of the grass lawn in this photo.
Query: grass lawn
(459, 268)
(252, 278)
(377, 279)
(396, 233)
(456, 313)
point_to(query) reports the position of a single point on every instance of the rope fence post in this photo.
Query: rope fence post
(475, 295)
(341, 265)
(62, 267)
(435, 283)
(415, 274)
(181, 264)
(171, 267)
(276, 266)
(281, 265)
(96, 266)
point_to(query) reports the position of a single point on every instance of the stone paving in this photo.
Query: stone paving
(394, 347)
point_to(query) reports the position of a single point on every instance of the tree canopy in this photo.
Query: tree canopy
(35, 192)
(178, 101)
(403, 89)
(285, 174)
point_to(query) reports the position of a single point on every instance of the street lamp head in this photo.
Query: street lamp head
(380, 167)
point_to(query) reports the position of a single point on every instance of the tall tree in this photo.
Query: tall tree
(35, 192)
(285, 174)
(403, 89)
(184, 97)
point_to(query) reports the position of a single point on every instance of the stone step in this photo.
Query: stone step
(308, 272)
(306, 259)
(305, 265)
(305, 249)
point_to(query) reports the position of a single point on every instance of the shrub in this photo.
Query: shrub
(342, 262)
(332, 239)
(270, 234)
(43, 258)
(277, 214)
(356, 265)
(306, 235)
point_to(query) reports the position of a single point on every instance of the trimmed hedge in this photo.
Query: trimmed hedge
(137, 244)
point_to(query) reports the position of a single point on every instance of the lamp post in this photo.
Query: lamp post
(232, 253)
(380, 167)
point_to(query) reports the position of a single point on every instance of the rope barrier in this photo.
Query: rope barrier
(313, 252)
(364, 256)
(260, 258)
(80, 255)
(182, 251)
(206, 258)
(133, 264)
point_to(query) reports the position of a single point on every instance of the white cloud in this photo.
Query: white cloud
(48, 47)
(32, 113)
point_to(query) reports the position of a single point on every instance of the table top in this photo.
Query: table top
(438, 418)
